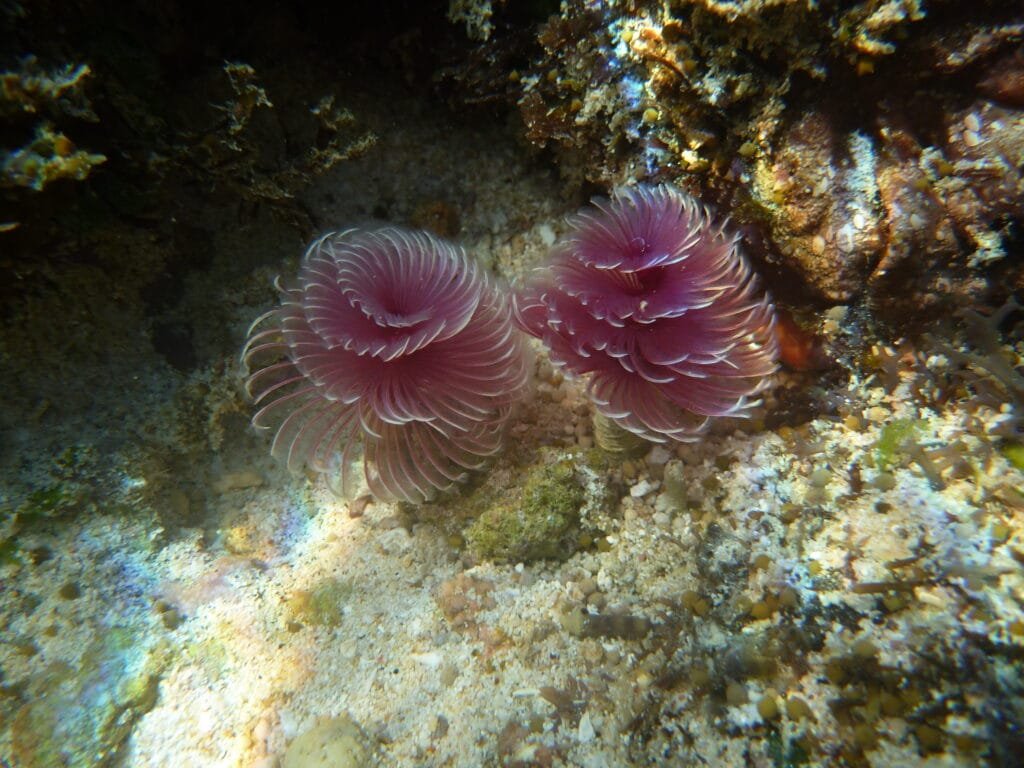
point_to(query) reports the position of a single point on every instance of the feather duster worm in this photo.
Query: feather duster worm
(393, 360)
(659, 306)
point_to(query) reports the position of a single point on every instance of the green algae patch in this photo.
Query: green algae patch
(537, 521)
(324, 604)
(1014, 453)
(891, 440)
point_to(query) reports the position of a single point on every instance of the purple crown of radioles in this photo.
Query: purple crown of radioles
(657, 305)
(392, 364)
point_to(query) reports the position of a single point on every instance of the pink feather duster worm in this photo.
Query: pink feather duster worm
(656, 303)
(393, 360)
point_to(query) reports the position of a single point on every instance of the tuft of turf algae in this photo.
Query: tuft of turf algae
(893, 436)
(540, 521)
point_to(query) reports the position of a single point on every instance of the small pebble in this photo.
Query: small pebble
(547, 234)
(768, 706)
(819, 478)
(658, 457)
(735, 694)
(70, 591)
(585, 733)
(854, 423)
(876, 414)
(797, 708)
(884, 481)
(815, 496)
(449, 674)
(642, 488)
(864, 648)
(788, 598)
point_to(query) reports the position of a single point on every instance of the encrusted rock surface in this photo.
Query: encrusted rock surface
(836, 134)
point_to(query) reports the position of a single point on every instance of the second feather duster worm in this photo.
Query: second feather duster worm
(656, 303)
(391, 364)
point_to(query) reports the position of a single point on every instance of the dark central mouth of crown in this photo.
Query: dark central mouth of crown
(642, 282)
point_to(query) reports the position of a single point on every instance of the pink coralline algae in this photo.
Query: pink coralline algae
(393, 360)
(659, 306)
